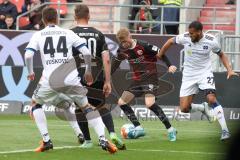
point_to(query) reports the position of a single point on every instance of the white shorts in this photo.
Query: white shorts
(44, 94)
(191, 85)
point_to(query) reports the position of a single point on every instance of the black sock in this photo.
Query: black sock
(130, 114)
(161, 115)
(107, 119)
(83, 123)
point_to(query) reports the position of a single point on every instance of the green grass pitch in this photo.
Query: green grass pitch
(197, 140)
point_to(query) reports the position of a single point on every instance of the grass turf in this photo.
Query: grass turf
(196, 140)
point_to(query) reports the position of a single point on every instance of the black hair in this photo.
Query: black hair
(196, 25)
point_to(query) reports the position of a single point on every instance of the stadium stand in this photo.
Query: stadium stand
(225, 14)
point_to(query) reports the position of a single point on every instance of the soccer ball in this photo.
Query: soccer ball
(127, 131)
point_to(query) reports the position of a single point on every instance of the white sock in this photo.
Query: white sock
(41, 122)
(170, 129)
(71, 117)
(218, 111)
(138, 127)
(95, 120)
(197, 107)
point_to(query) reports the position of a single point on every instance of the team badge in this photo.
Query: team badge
(140, 52)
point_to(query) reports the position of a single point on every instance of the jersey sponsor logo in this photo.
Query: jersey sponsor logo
(137, 60)
(139, 52)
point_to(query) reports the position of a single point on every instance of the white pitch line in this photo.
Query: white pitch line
(140, 150)
(150, 129)
(32, 150)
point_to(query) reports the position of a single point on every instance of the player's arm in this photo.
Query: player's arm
(155, 50)
(80, 45)
(106, 65)
(31, 48)
(217, 49)
(29, 63)
(227, 65)
(116, 61)
(87, 60)
(166, 46)
(107, 89)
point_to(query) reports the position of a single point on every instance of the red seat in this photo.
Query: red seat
(23, 21)
(19, 4)
(63, 7)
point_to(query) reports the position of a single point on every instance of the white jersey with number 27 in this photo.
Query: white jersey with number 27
(197, 60)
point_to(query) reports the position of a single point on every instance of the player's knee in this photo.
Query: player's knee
(121, 102)
(33, 103)
(211, 98)
(149, 103)
(149, 100)
(185, 109)
(36, 106)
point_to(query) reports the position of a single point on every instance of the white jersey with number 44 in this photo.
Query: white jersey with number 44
(55, 46)
(197, 60)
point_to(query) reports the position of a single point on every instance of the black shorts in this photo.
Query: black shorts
(95, 94)
(144, 86)
(150, 85)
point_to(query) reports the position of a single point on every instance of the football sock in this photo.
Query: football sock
(107, 119)
(83, 123)
(161, 115)
(71, 118)
(130, 114)
(197, 107)
(41, 121)
(95, 120)
(218, 111)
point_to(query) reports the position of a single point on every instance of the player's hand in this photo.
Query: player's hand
(107, 89)
(31, 77)
(231, 73)
(172, 69)
(88, 78)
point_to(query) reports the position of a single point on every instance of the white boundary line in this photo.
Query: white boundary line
(150, 129)
(139, 150)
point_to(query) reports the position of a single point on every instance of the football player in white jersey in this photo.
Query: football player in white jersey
(198, 74)
(59, 75)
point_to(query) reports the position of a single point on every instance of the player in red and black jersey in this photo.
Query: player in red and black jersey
(142, 59)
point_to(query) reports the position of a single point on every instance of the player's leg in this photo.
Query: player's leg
(208, 85)
(219, 113)
(108, 121)
(97, 99)
(123, 102)
(188, 89)
(95, 121)
(40, 94)
(83, 124)
(151, 104)
(41, 122)
(71, 118)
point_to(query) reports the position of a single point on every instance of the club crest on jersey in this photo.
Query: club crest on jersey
(139, 52)
(205, 47)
